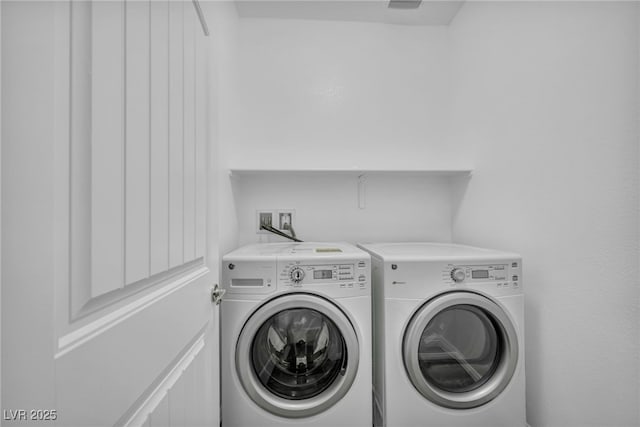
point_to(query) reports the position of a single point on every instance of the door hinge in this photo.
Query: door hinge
(216, 294)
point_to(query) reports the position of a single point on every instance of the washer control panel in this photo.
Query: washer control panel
(299, 273)
(335, 269)
(347, 275)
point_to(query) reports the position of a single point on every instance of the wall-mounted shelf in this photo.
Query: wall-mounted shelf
(359, 173)
(351, 171)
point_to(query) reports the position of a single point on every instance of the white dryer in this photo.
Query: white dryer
(448, 336)
(296, 336)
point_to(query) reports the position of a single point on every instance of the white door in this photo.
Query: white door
(107, 249)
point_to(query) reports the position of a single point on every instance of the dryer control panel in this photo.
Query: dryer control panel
(502, 274)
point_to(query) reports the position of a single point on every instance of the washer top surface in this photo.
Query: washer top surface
(306, 250)
(425, 251)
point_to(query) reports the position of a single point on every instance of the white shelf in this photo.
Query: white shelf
(359, 174)
(351, 171)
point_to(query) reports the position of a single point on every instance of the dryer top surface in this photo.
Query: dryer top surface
(426, 251)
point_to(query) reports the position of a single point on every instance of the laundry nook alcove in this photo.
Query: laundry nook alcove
(249, 213)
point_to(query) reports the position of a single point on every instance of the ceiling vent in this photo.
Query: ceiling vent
(404, 4)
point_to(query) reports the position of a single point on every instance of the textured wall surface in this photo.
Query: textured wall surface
(399, 207)
(546, 99)
(319, 94)
(541, 98)
(339, 94)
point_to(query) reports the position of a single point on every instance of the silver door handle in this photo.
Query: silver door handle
(216, 294)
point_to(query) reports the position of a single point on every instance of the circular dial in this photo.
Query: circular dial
(458, 275)
(296, 274)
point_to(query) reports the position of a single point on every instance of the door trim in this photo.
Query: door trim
(508, 353)
(296, 408)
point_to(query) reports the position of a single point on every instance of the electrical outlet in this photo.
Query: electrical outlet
(280, 219)
(264, 217)
(285, 220)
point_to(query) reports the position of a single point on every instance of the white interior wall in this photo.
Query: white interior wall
(398, 207)
(544, 107)
(222, 19)
(339, 94)
(321, 94)
(546, 99)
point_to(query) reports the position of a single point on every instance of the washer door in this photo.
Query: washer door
(460, 350)
(297, 355)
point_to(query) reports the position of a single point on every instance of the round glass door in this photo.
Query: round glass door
(460, 350)
(297, 355)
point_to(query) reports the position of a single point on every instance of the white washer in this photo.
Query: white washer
(448, 336)
(296, 336)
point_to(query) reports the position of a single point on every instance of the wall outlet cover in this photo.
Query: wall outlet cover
(280, 219)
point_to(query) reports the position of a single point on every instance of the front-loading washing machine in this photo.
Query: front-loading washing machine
(448, 336)
(296, 336)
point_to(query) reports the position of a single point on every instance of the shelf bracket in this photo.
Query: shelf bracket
(362, 184)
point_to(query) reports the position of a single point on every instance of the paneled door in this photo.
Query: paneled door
(107, 216)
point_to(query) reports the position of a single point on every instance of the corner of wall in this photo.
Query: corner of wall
(223, 22)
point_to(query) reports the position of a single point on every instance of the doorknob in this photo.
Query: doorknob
(216, 294)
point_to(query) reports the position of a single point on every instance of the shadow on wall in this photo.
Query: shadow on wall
(330, 206)
(459, 186)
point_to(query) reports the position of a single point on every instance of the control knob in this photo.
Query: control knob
(458, 275)
(296, 274)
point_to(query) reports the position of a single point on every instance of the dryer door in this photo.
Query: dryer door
(297, 355)
(460, 350)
